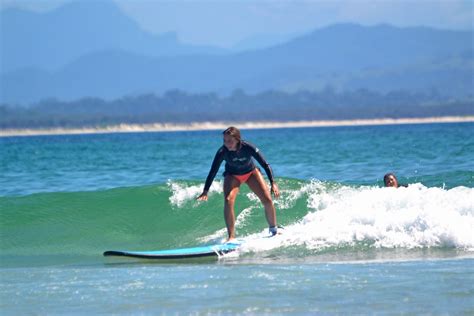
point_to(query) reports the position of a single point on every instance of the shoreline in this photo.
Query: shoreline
(207, 126)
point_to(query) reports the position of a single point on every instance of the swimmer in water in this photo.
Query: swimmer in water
(390, 180)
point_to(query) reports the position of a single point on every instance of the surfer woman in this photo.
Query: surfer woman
(240, 168)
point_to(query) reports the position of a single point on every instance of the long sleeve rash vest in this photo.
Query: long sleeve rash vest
(238, 162)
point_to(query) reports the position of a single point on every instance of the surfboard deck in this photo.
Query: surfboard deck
(180, 253)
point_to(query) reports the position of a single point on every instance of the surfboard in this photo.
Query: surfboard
(216, 250)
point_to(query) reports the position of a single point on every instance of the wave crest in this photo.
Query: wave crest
(414, 217)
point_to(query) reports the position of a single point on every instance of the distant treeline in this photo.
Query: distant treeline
(181, 107)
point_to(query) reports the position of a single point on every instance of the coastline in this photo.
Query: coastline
(204, 126)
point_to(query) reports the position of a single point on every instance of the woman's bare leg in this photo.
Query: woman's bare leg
(231, 189)
(257, 184)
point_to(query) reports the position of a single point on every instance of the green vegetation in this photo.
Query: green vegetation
(180, 107)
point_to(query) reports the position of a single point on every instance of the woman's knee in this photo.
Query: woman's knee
(230, 198)
(266, 199)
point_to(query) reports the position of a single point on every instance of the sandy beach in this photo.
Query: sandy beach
(200, 126)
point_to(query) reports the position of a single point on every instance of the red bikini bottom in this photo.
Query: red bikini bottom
(242, 178)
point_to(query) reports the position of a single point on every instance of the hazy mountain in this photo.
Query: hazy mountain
(52, 39)
(115, 58)
(261, 41)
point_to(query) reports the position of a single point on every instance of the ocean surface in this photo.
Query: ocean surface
(349, 245)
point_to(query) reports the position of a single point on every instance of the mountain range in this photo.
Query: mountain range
(92, 49)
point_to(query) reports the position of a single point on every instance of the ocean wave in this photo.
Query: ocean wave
(345, 216)
(318, 216)
(185, 192)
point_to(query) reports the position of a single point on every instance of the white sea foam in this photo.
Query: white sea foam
(183, 193)
(413, 217)
(341, 216)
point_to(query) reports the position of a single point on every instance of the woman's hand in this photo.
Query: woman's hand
(274, 190)
(202, 197)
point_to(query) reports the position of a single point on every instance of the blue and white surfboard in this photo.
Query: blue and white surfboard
(216, 250)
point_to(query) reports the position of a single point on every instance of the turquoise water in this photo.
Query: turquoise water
(416, 287)
(349, 245)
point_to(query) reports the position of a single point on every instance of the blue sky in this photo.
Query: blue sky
(226, 23)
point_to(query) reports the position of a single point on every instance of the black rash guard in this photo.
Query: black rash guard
(237, 162)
